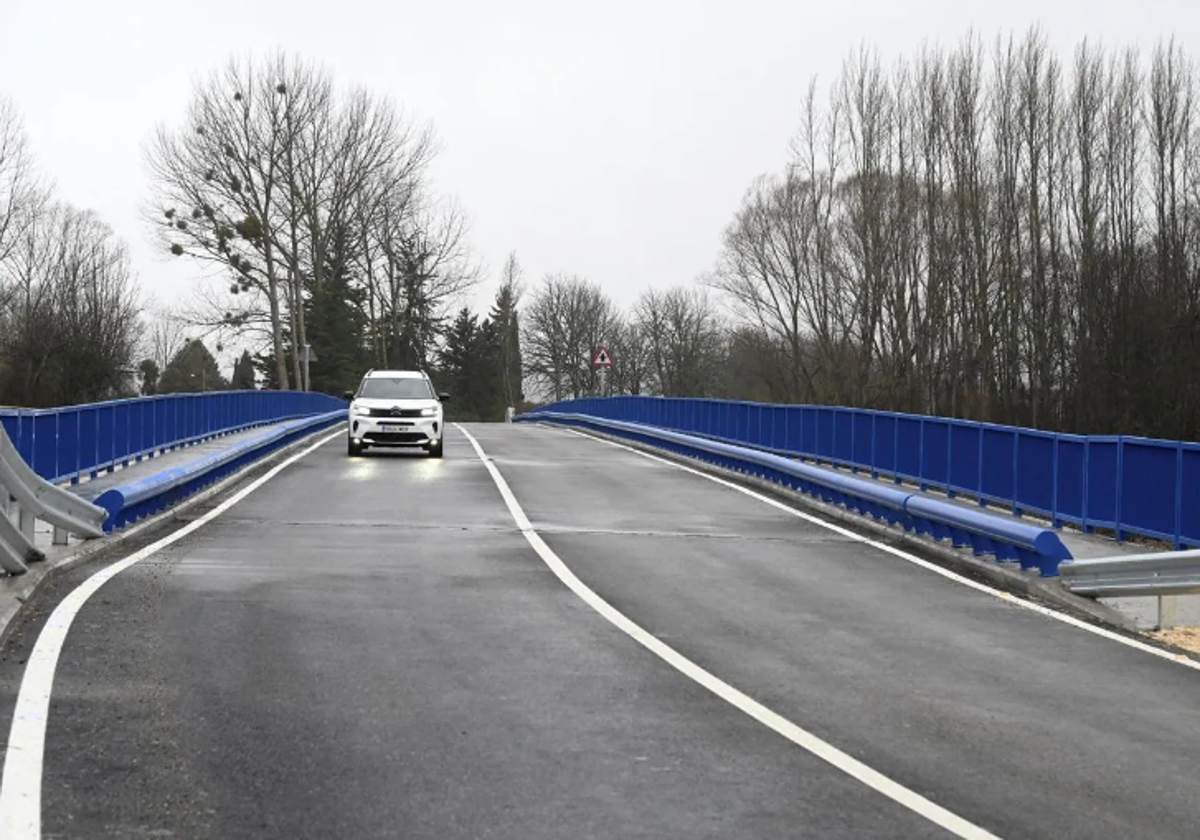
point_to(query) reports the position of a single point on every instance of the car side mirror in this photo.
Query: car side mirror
(444, 397)
(348, 395)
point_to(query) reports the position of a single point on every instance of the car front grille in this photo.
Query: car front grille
(395, 437)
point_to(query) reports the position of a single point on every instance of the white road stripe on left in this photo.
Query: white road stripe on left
(21, 788)
(802, 738)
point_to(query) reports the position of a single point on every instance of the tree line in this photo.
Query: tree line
(312, 230)
(69, 308)
(988, 231)
(985, 232)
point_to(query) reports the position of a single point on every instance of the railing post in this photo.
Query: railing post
(1179, 495)
(26, 523)
(1167, 611)
(1054, 521)
(950, 492)
(1120, 487)
(1016, 475)
(833, 424)
(982, 431)
(874, 449)
(1087, 481)
(896, 448)
(921, 455)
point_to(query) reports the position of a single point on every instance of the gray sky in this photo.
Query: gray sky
(613, 140)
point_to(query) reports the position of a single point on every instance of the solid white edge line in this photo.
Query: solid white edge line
(1008, 597)
(806, 740)
(21, 787)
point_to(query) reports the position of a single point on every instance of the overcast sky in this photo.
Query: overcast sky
(613, 140)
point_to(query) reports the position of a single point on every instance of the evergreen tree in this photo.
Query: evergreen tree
(243, 373)
(192, 370)
(507, 343)
(468, 361)
(336, 325)
(266, 367)
(149, 372)
(457, 362)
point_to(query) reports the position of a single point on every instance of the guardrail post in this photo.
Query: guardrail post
(1120, 487)
(1016, 475)
(61, 537)
(1166, 611)
(921, 482)
(1087, 483)
(1054, 520)
(1178, 496)
(874, 448)
(26, 522)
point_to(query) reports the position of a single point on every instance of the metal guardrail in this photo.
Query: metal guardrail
(40, 450)
(148, 495)
(27, 497)
(1163, 575)
(1032, 546)
(77, 442)
(1129, 485)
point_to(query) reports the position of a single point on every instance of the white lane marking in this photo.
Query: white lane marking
(904, 555)
(821, 749)
(21, 788)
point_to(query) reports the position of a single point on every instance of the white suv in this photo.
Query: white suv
(395, 408)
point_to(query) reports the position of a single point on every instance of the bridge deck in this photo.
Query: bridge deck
(370, 648)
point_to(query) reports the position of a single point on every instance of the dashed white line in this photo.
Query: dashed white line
(21, 788)
(821, 749)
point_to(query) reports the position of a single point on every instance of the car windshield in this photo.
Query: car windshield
(378, 388)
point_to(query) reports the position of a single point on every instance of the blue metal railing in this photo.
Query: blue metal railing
(1128, 485)
(1034, 547)
(68, 444)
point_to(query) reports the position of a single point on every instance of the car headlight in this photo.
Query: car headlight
(362, 411)
(429, 412)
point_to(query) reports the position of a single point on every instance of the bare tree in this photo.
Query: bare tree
(567, 319)
(22, 194)
(629, 350)
(1009, 238)
(71, 318)
(684, 340)
(283, 182)
(163, 337)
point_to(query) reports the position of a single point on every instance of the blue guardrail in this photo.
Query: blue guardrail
(1032, 546)
(76, 442)
(146, 496)
(1127, 485)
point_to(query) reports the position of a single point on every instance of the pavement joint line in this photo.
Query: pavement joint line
(21, 783)
(1057, 615)
(823, 750)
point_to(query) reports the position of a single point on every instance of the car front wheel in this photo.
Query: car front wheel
(435, 449)
(354, 449)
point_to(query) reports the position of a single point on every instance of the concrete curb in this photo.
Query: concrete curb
(986, 571)
(17, 592)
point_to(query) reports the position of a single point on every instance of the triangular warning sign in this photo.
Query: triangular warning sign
(602, 358)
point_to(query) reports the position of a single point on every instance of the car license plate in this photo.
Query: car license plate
(390, 427)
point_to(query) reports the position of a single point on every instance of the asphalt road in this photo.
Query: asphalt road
(369, 648)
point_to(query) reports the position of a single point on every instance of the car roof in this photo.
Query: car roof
(395, 374)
